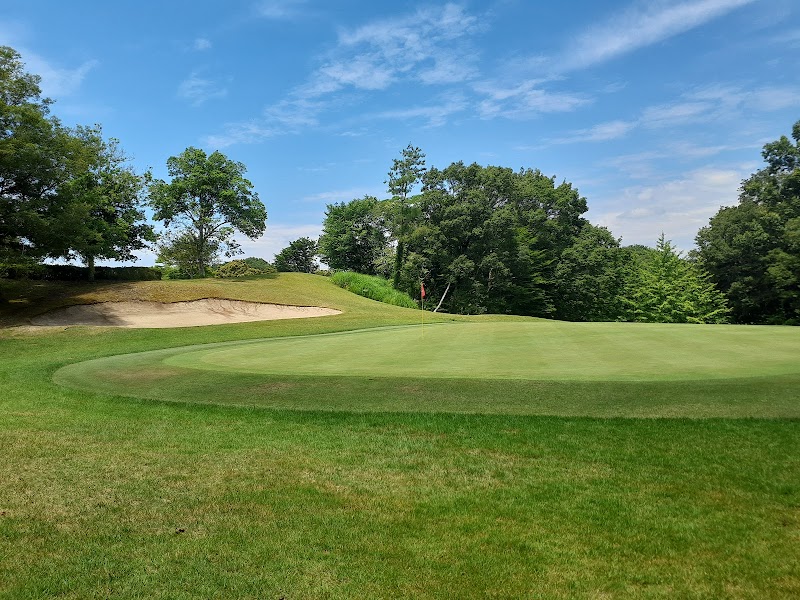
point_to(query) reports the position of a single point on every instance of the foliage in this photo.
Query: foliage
(354, 236)
(37, 155)
(490, 237)
(209, 199)
(239, 268)
(405, 173)
(63, 193)
(102, 216)
(298, 257)
(39, 271)
(372, 287)
(664, 288)
(260, 264)
(185, 252)
(590, 277)
(752, 250)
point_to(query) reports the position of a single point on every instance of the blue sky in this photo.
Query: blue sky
(654, 110)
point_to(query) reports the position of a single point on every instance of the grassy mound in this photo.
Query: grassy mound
(374, 288)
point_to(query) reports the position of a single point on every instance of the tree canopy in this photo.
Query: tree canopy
(354, 235)
(300, 256)
(209, 200)
(752, 250)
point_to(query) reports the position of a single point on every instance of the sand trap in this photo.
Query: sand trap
(210, 311)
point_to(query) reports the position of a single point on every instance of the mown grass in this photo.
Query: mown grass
(372, 287)
(108, 496)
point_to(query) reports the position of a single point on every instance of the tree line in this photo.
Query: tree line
(493, 240)
(69, 193)
(480, 238)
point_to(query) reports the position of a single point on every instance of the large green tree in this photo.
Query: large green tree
(354, 236)
(752, 250)
(36, 158)
(300, 256)
(590, 277)
(101, 215)
(209, 200)
(663, 287)
(487, 239)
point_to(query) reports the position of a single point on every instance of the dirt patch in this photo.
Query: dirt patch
(209, 311)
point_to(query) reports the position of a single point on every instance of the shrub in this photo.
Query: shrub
(243, 268)
(372, 287)
(236, 268)
(73, 273)
(260, 264)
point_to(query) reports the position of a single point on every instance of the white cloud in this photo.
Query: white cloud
(638, 27)
(276, 238)
(334, 196)
(724, 103)
(56, 81)
(239, 133)
(525, 100)
(429, 47)
(678, 207)
(602, 132)
(436, 115)
(198, 90)
(201, 44)
(280, 9)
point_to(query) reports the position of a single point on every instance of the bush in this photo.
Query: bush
(236, 268)
(372, 287)
(73, 273)
(174, 273)
(260, 264)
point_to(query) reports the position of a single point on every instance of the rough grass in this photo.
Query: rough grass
(106, 496)
(374, 288)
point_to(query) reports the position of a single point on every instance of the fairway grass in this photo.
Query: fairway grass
(171, 482)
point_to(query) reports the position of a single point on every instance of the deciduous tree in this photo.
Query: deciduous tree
(354, 236)
(299, 256)
(752, 249)
(209, 199)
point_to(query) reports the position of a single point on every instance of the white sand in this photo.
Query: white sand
(210, 311)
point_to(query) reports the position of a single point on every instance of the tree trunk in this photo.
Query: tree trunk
(398, 264)
(90, 264)
(447, 289)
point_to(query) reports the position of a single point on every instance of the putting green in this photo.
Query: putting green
(521, 367)
(534, 351)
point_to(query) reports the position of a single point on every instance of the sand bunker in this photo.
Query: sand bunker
(210, 311)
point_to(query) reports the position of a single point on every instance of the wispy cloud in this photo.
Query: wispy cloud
(640, 26)
(428, 47)
(277, 237)
(280, 9)
(422, 47)
(198, 90)
(56, 81)
(332, 196)
(713, 103)
(240, 133)
(201, 44)
(678, 207)
(525, 100)
(436, 114)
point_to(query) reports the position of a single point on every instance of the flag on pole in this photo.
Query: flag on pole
(422, 290)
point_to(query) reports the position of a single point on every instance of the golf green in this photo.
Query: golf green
(533, 351)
